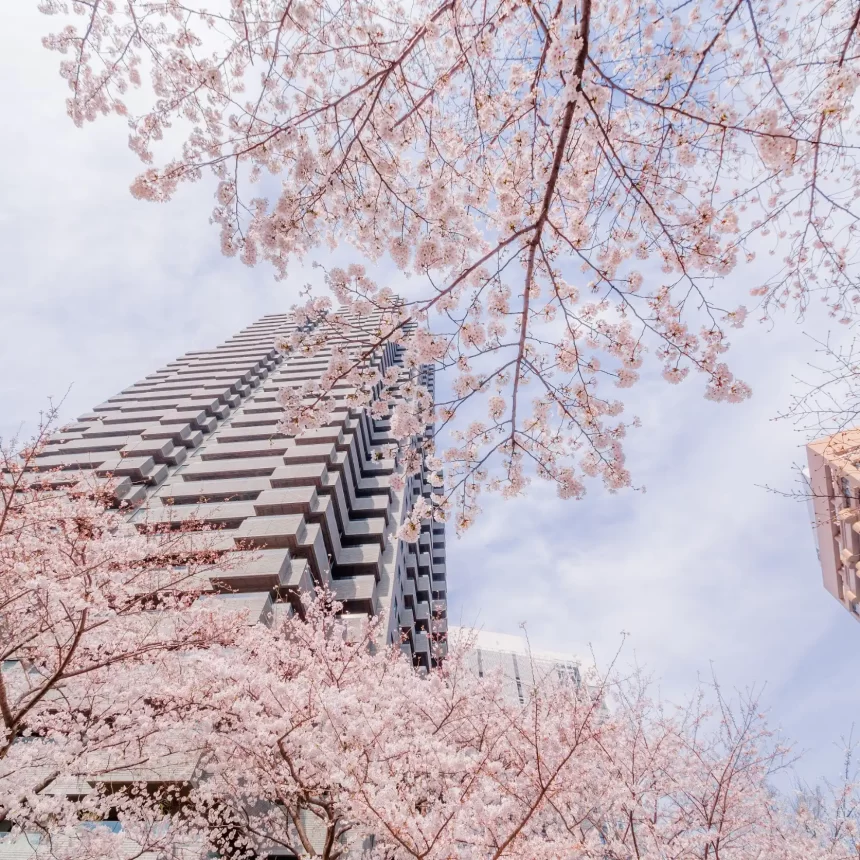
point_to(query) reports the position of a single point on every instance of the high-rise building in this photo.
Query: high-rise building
(520, 665)
(833, 487)
(198, 439)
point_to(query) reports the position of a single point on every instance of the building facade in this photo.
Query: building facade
(198, 439)
(833, 489)
(521, 666)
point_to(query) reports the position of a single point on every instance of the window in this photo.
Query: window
(568, 673)
(518, 680)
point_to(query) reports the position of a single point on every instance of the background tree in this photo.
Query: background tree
(575, 182)
(829, 398)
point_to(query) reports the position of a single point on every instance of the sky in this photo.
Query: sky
(705, 573)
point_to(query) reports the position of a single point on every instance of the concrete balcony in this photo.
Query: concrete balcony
(264, 570)
(271, 532)
(357, 594)
(848, 556)
(421, 643)
(256, 605)
(848, 515)
(439, 626)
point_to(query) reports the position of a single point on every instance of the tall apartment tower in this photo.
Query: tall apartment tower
(833, 486)
(198, 438)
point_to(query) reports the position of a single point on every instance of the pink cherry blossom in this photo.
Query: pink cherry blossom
(138, 721)
(571, 188)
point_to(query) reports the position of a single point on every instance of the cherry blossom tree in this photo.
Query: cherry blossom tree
(139, 721)
(311, 742)
(575, 187)
(91, 608)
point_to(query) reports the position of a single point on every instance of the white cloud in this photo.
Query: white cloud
(92, 279)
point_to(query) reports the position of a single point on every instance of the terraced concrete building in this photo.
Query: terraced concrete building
(198, 438)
